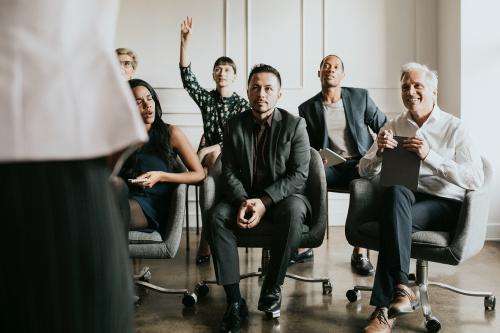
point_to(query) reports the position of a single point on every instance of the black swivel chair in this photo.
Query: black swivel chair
(312, 237)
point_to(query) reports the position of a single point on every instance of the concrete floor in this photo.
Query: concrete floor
(304, 307)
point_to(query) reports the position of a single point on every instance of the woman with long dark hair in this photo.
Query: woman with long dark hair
(152, 170)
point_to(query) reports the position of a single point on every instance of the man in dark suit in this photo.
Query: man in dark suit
(265, 165)
(340, 118)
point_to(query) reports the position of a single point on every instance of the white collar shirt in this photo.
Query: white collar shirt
(452, 166)
(61, 92)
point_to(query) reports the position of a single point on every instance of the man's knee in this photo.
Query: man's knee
(290, 210)
(219, 216)
(397, 193)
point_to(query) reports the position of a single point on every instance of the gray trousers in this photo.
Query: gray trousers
(402, 213)
(287, 216)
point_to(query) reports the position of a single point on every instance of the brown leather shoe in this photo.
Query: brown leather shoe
(379, 323)
(403, 301)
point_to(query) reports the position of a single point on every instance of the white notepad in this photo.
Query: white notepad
(332, 157)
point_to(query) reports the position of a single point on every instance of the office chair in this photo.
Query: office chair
(445, 247)
(312, 236)
(144, 245)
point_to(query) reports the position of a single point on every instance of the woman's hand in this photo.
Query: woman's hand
(150, 178)
(186, 30)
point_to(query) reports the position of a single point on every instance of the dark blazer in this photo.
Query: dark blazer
(289, 156)
(361, 114)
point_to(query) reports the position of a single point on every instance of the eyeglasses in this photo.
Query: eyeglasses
(126, 64)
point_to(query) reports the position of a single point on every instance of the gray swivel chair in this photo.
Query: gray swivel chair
(143, 245)
(312, 236)
(450, 247)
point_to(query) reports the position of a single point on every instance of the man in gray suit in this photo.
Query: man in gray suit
(340, 118)
(265, 165)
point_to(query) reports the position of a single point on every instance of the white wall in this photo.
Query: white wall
(374, 38)
(480, 87)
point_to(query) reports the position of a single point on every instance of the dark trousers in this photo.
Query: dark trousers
(402, 213)
(340, 175)
(287, 216)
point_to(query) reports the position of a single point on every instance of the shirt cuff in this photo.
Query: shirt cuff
(267, 201)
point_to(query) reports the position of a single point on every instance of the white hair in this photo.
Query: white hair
(431, 76)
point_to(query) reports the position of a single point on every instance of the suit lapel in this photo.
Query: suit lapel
(346, 100)
(320, 119)
(274, 136)
(248, 146)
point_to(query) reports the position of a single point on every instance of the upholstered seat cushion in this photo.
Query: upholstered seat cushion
(427, 238)
(139, 237)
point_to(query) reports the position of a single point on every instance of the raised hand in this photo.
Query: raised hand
(186, 29)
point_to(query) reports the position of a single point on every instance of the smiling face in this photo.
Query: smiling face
(146, 105)
(223, 75)
(417, 93)
(331, 72)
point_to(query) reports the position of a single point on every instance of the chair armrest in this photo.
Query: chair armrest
(175, 220)
(470, 232)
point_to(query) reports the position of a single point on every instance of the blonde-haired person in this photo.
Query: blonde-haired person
(128, 62)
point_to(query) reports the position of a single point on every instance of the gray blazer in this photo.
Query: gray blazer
(289, 156)
(361, 114)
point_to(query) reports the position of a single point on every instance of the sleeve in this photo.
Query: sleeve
(297, 165)
(199, 94)
(374, 117)
(371, 164)
(465, 168)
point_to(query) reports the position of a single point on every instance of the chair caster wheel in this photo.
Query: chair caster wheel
(201, 289)
(273, 314)
(327, 288)
(353, 295)
(189, 300)
(146, 277)
(412, 277)
(489, 303)
(433, 325)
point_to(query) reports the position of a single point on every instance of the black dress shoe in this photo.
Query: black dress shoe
(307, 255)
(235, 315)
(270, 301)
(361, 265)
(200, 260)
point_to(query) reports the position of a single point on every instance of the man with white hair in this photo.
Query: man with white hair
(450, 166)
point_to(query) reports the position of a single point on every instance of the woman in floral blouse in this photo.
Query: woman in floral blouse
(216, 107)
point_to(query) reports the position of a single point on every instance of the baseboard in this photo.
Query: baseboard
(493, 231)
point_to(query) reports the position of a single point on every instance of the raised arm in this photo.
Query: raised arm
(186, 33)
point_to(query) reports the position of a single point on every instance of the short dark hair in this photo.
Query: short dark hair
(332, 55)
(263, 68)
(225, 61)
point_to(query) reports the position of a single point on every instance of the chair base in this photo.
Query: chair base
(201, 289)
(432, 324)
(143, 278)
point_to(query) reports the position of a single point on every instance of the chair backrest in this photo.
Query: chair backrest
(156, 246)
(210, 194)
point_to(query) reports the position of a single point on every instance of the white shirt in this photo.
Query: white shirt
(61, 92)
(452, 166)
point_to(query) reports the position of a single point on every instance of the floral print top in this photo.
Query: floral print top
(215, 109)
